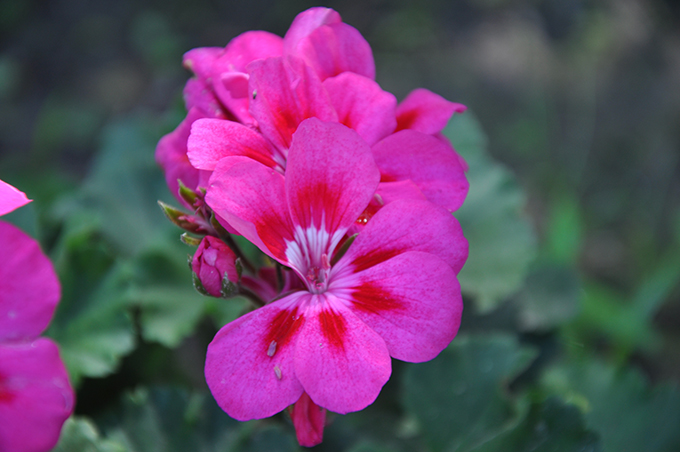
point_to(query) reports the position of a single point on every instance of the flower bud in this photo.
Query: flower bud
(215, 266)
(309, 420)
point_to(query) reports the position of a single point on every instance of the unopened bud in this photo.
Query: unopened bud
(309, 420)
(215, 267)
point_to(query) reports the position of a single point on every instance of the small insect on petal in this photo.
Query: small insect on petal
(277, 371)
(272, 349)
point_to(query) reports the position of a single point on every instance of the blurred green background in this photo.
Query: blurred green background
(573, 285)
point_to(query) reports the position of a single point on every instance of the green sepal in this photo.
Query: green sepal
(178, 218)
(190, 240)
(187, 194)
(198, 285)
(343, 249)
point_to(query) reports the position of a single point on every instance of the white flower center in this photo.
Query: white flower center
(309, 255)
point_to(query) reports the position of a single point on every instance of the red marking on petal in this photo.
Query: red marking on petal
(6, 396)
(406, 119)
(372, 298)
(333, 327)
(374, 258)
(317, 202)
(282, 329)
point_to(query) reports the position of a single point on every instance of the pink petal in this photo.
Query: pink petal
(341, 362)
(201, 60)
(409, 225)
(309, 420)
(200, 96)
(336, 48)
(283, 93)
(248, 47)
(171, 155)
(29, 288)
(331, 177)
(413, 302)
(427, 162)
(305, 23)
(35, 396)
(426, 112)
(249, 365)
(11, 198)
(404, 189)
(213, 139)
(361, 105)
(251, 198)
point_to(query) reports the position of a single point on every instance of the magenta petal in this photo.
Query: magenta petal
(199, 95)
(29, 288)
(340, 361)
(309, 420)
(362, 105)
(305, 23)
(201, 60)
(213, 139)
(35, 396)
(249, 366)
(283, 93)
(171, 155)
(11, 198)
(336, 48)
(409, 225)
(434, 168)
(251, 198)
(404, 189)
(248, 47)
(426, 112)
(331, 177)
(413, 302)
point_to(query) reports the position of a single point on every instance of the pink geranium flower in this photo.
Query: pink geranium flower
(35, 395)
(11, 198)
(393, 293)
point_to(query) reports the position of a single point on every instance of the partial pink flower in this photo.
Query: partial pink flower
(11, 198)
(35, 395)
(394, 293)
(309, 420)
(426, 112)
(212, 263)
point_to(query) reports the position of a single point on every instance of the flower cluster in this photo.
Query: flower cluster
(290, 143)
(35, 395)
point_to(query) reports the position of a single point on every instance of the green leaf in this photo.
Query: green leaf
(172, 420)
(459, 398)
(549, 298)
(502, 242)
(162, 291)
(620, 405)
(81, 435)
(91, 323)
(548, 427)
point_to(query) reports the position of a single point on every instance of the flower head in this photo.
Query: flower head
(393, 293)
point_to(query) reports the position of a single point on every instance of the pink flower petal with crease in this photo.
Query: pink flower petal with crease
(29, 288)
(362, 105)
(427, 162)
(251, 198)
(35, 396)
(200, 96)
(336, 48)
(305, 23)
(426, 112)
(413, 302)
(341, 362)
(249, 377)
(283, 93)
(171, 155)
(11, 198)
(330, 177)
(409, 225)
(213, 139)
